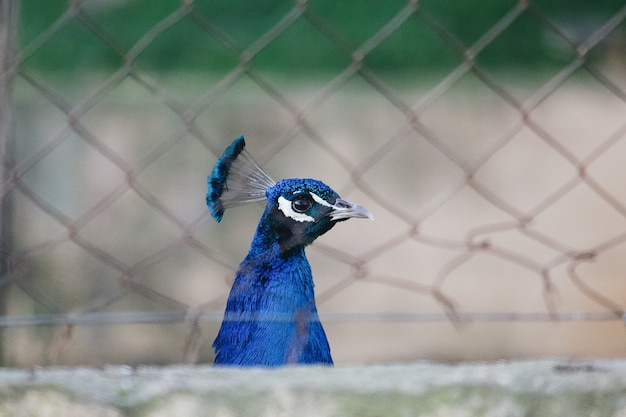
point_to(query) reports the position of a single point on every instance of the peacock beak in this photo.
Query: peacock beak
(343, 209)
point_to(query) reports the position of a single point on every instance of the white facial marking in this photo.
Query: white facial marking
(284, 205)
(320, 200)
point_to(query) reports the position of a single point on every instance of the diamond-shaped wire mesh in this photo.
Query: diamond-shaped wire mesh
(495, 174)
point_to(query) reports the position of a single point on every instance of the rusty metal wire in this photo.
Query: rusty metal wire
(188, 232)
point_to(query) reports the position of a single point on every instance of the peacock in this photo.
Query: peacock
(271, 318)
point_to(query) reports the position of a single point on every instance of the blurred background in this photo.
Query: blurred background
(488, 139)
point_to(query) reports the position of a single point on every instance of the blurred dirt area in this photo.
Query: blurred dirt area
(437, 235)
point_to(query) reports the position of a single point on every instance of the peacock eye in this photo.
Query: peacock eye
(301, 204)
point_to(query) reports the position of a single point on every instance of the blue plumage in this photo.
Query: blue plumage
(271, 317)
(217, 179)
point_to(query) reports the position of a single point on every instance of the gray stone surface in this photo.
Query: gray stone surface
(526, 388)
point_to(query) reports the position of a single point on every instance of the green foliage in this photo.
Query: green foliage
(212, 37)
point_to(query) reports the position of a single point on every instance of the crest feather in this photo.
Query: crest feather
(236, 179)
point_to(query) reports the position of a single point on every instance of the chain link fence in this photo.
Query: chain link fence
(498, 191)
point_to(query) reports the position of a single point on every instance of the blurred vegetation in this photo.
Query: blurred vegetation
(303, 47)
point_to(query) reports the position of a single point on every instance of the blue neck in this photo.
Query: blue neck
(271, 318)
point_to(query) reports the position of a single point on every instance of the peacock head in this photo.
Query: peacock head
(298, 209)
(303, 209)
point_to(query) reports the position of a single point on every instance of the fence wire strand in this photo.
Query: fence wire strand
(188, 232)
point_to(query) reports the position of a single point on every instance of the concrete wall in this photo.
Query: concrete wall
(531, 388)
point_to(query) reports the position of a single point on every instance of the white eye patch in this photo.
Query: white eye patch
(320, 200)
(284, 205)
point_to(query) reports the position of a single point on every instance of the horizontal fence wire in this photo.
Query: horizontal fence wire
(66, 265)
(173, 317)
